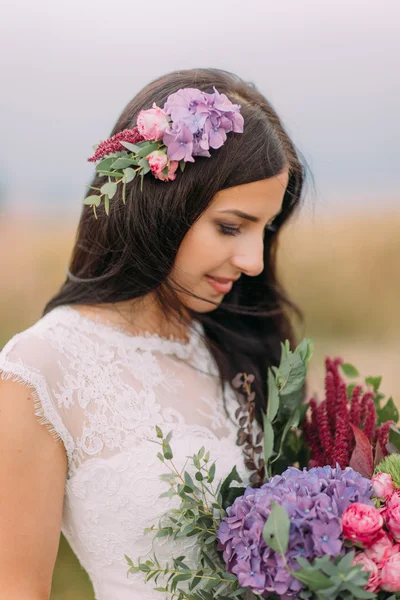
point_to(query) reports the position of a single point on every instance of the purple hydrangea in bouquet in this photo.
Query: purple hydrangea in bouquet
(321, 518)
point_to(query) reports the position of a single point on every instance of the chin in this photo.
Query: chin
(201, 306)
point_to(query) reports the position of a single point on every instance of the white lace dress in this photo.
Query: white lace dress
(102, 391)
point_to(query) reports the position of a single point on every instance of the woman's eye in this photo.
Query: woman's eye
(228, 229)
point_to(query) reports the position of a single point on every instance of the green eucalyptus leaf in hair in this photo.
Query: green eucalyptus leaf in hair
(92, 201)
(129, 174)
(107, 204)
(109, 188)
(122, 163)
(132, 147)
(147, 149)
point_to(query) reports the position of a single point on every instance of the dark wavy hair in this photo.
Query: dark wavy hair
(131, 252)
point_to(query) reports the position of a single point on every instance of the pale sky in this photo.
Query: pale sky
(330, 68)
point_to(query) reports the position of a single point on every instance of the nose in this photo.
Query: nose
(249, 259)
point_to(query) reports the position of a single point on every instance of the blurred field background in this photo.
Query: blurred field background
(343, 272)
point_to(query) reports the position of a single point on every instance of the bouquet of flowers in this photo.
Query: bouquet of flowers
(321, 518)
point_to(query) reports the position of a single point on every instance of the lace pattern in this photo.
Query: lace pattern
(101, 391)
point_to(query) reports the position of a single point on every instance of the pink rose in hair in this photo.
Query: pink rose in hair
(171, 172)
(392, 518)
(381, 549)
(394, 500)
(390, 574)
(382, 485)
(368, 565)
(362, 523)
(157, 160)
(152, 123)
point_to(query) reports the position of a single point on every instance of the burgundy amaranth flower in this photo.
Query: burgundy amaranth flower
(113, 144)
(328, 431)
(382, 436)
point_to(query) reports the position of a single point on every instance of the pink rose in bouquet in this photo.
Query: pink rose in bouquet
(362, 523)
(390, 574)
(381, 549)
(152, 123)
(368, 565)
(392, 517)
(382, 484)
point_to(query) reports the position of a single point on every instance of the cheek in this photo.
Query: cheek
(201, 250)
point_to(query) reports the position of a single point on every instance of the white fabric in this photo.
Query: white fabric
(102, 391)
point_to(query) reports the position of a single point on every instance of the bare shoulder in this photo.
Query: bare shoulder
(33, 470)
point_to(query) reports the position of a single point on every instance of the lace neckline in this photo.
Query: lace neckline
(145, 341)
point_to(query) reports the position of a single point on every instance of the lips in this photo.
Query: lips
(222, 285)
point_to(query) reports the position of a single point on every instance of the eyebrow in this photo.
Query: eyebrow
(243, 215)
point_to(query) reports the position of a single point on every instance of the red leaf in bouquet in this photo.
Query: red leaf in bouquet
(361, 459)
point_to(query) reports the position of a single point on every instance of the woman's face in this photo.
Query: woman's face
(227, 240)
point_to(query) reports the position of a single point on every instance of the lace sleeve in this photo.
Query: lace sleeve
(31, 361)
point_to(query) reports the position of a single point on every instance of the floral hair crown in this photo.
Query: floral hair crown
(190, 124)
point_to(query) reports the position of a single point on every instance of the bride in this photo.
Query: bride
(171, 291)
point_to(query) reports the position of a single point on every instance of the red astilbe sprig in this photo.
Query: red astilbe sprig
(382, 436)
(343, 432)
(113, 144)
(328, 431)
(355, 406)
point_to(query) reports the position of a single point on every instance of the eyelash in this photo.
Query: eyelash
(228, 229)
(233, 231)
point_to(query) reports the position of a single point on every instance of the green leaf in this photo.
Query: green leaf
(183, 577)
(226, 485)
(116, 174)
(349, 390)
(129, 174)
(359, 592)
(92, 201)
(124, 192)
(374, 382)
(167, 451)
(107, 204)
(268, 440)
(276, 529)
(345, 563)
(132, 147)
(211, 473)
(349, 370)
(388, 412)
(313, 579)
(182, 165)
(196, 580)
(146, 150)
(292, 371)
(109, 188)
(394, 437)
(122, 163)
(293, 421)
(189, 481)
(144, 165)
(305, 349)
(128, 560)
(105, 164)
(159, 432)
(273, 397)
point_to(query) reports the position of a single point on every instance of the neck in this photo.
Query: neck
(144, 315)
